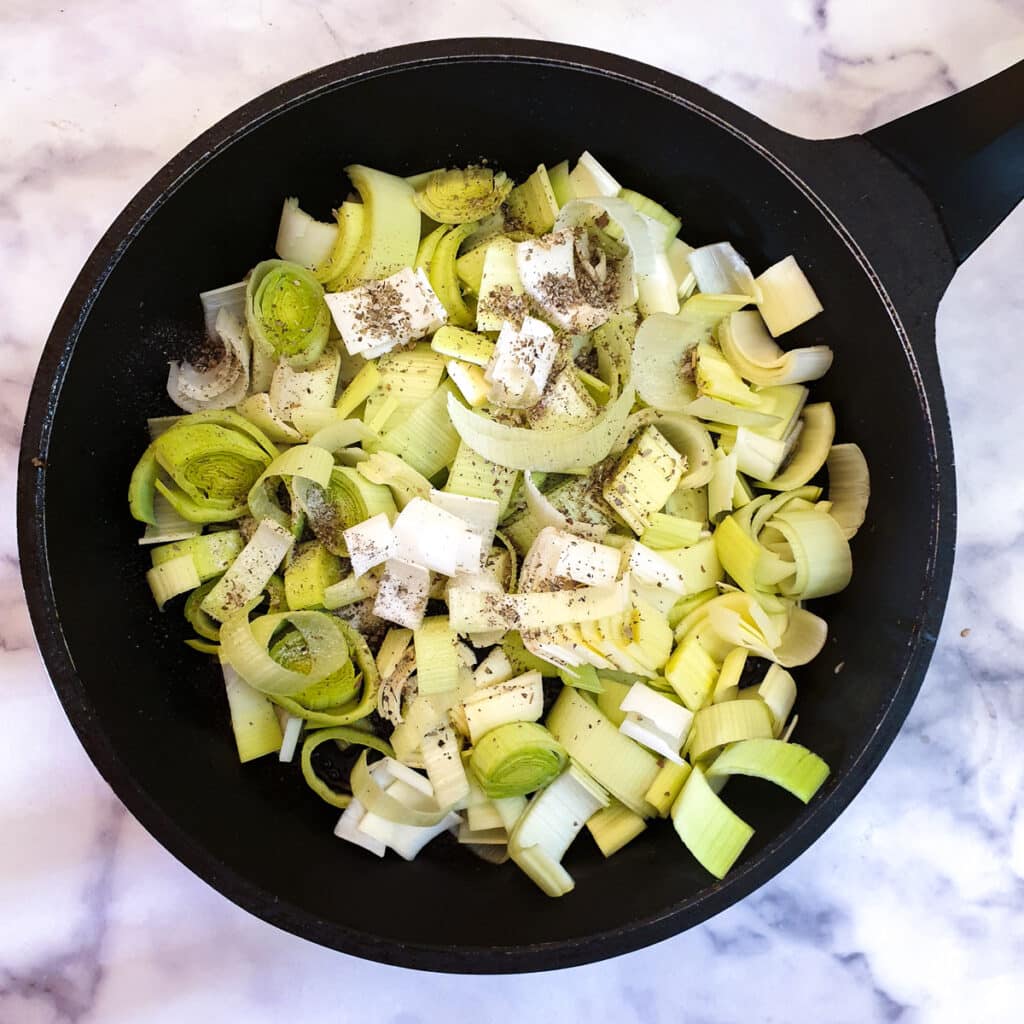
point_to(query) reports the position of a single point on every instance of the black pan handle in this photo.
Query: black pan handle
(967, 153)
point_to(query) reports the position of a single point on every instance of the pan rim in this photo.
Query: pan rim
(72, 690)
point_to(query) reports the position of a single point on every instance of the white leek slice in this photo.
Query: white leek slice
(402, 594)
(519, 700)
(720, 270)
(655, 721)
(849, 487)
(222, 384)
(778, 691)
(589, 178)
(292, 732)
(659, 290)
(755, 356)
(546, 515)
(479, 514)
(253, 719)
(310, 387)
(787, 298)
(473, 610)
(523, 358)
(653, 569)
(302, 239)
(369, 543)
(379, 316)
(661, 363)
(431, 537)
(547, 269)
(562, 451)
(709, 830)
(444, 766)
(821, 553)
(348, 829)
(787, 765)
(551, 821)
(586, 562)
(247, 576)
(495, 668)
(230, 297)
(635, 233)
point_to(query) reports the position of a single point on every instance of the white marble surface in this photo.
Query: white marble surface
(911, 907)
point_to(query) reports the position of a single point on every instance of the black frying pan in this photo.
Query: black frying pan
(879, 222)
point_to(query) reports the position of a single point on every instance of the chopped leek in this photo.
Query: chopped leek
(614, 826)
(849, 487)
(460, 195)
(787, 298)
(708, 829)
(516, 759)
(537, 455)
(788, 765)
(285, 310)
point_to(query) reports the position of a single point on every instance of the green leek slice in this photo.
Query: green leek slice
(285, 310)
(171, 578)
(437, 655)
(344, 737)
(305, 461)
(648, 472)
(614, 826)
(212, 553)
(667, 786)
(532, 205)
(444, 278)
(460, 195)
(709, 830)
(348, 499)
(254, 723)
(788, 765)
(209, 459)
(718, 724)
(244, 645)
(350, 218)
(426, 438)
(515, 759)
(310, 572)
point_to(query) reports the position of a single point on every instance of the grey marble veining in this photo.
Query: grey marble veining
(911, 908)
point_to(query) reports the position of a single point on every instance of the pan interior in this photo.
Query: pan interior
(255, 830)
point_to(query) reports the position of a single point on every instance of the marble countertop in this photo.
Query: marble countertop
(910, 908)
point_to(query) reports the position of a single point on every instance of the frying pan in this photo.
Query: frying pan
(879, 222)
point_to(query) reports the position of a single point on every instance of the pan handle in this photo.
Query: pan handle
(967, 153)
